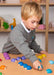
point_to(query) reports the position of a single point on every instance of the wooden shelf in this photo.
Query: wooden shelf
(11, 4)
(51, 4)
(16, 4)
(40, 31)
(42, 4)
(5, 30)
(51, 30)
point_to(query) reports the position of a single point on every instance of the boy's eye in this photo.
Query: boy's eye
(37, 22)
(33, 21)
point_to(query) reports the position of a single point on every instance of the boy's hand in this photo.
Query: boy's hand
(43, 52)
(36, 64)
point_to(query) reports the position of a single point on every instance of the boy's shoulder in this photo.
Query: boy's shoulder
(18, 27)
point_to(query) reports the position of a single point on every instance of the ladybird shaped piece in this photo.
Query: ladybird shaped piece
(49, 71)
(21, 63)
(29, 67)
(13, 60)
(23, 58)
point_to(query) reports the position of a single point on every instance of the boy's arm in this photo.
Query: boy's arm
(35, 47)
(21, 44)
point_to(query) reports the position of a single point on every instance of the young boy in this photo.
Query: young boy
(22, 37)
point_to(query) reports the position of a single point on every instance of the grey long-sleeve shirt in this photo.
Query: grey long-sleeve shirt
(19, 41)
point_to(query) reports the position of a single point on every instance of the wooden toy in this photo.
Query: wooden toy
(40, 57)
(13, 60)
(51, 62)
(25, 65)
(21, 63)
(29, 67)
(2, 67)
(5, 25)
(14, 22)
(40, 60)
(23, 58)
(49, 71)
(6, 56)
(1, 22)
(11, 27)
(0, 59)
(0, 73)
(43, 55)
(18, 58)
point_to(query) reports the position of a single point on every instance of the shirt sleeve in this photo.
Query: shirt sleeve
(21, 44)
(35, 47)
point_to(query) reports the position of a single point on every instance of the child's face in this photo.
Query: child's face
(31, 23)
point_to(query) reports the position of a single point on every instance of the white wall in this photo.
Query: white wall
(51, 35)
(15, 11)
(4, 11)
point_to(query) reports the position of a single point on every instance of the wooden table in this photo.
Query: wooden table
(14, 69)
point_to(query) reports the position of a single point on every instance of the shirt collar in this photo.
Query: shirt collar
(28, 31)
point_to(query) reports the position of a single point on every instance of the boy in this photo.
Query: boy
(22, 37)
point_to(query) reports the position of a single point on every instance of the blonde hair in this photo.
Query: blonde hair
(30, 9)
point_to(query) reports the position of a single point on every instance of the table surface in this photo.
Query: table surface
(13, 68)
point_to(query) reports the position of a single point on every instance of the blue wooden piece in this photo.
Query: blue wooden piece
(25, 65)
(51, 62)
(49, 71)
(21, 63)
(11, 27)
(29, 67)
(40, 60)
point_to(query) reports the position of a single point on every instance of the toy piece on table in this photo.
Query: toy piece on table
(23, 58)
(2, 67)
(39, 67)
(43, 55)
(11, 27)
(18, 58)
(51, 62)
(40, 60)
(25, 65)
(40, 57)
(13, 60)
(29, 67)
(0, 59)
(0, 73)
(6, 56)
(21, 63)
(14, 22)
(49, 71)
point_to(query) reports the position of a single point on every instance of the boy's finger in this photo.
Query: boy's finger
(40, 68)
(36, 67)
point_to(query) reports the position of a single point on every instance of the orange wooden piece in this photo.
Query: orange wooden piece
(2, 67)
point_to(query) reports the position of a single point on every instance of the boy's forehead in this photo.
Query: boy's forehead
(34, 18)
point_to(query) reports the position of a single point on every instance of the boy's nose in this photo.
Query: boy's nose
(35, 25)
